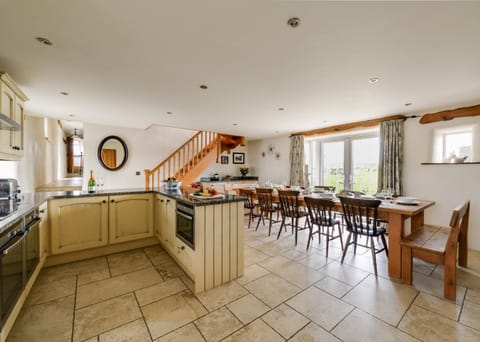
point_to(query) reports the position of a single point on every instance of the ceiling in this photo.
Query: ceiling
(127, 63)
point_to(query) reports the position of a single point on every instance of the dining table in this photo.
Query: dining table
(397, 216)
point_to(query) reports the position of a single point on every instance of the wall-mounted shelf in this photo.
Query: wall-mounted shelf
(464, 163)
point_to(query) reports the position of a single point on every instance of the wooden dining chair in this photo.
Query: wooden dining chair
(439, 245)
(321, 215)
(267, 207)
(361, 217)
(290, 207)
(248, 203)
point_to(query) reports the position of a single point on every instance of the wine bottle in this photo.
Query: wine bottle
(91, 183)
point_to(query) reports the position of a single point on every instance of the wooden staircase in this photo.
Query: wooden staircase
(189, 161)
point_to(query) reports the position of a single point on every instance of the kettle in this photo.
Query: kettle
(215, 177)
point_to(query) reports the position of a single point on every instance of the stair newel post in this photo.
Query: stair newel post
(147, 179)
(158, 178)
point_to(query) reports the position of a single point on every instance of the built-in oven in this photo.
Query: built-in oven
(32, 243)
(185, 229)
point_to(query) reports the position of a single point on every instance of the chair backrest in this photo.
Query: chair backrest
(361, 215)
(350, 193)
(289, 202)
(329, 188)
(265, 199)
(319, 210)
(458, 224)
(247, 194)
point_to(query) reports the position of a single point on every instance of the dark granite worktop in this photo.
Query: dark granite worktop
(30, 201)
(230, 179)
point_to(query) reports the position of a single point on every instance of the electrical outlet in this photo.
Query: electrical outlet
(137, 173)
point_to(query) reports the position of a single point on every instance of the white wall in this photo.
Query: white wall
(447, 185)
(146, 148)
(269, 167)
(229, 169)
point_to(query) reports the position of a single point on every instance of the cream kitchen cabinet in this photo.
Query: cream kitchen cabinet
(165, 221)
(44, 231)
(78, 223)
(12, 106)
(130, 217)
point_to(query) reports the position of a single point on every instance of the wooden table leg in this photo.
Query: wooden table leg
(417, 222)
(395, 231)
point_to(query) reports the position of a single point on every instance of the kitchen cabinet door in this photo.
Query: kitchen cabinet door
(78, 223)
(44, 231)
(130, 217)
(170, 224)
(19, 117)
(7, 107)
(160, 218)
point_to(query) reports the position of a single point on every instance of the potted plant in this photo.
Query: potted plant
(244, 170)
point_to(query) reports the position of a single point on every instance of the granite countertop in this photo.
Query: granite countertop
(230, 179)
(30, 201)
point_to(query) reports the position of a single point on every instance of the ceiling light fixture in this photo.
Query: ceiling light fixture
(169, 113)
(408, 104)
(325, 121)
(71, 115)
(235, 124)
(373, 80)
(64, 93)
(277, 132)
(293, 22)
(203, 86)
(44, 41)
(281, 108)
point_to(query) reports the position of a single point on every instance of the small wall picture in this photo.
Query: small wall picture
(238, 158)
(224, 159)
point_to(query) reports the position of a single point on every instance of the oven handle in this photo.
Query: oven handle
(17, 240)
(188, 217)
(32, 224)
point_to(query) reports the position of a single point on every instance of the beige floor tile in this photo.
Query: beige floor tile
(126, 262)
(313, 333)
(473, 295)
(95, 269)
(218, 324)
(438, 305)
(188, 333)
(251, 273)
(298, 274)
(320, 307)
(43, 291)
(314, 261)
(222, 295)
(159, 291)
(171, 313)
(248, 308)
(272, 290)
(255, 331)
(333, 253)
(431, 327)
(470, 315)
(359, 326)
(253, 255)
(93, 339)
(51, 322)
(332, 286)
(466, 277)
(345, 273)
(294, 254)
(434, 286)
(116, 286)
(188, 283)
(157, 255)
(169, 270)
(285, 320)
(98, 318)
(135, 331)
(382, 298)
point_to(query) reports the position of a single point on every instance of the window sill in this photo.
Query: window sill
(464, 163)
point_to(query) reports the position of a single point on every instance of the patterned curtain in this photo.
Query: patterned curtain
(391, 156)
(296, 160)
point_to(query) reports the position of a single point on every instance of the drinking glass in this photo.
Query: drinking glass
(100, 183)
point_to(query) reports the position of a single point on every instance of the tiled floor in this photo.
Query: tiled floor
(286, 294)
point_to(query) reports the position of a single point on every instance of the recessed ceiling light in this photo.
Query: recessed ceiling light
(277, 131)
(281, 108)
(373, 80)
(293, 22)
(203, 86)
(44, 41)
(169, 113)
(64, 93)
(325, 121)
(408, 104)
(235, 124)
(71, 115)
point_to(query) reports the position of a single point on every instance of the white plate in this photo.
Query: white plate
(407, 203)
(405, 199)
(200, 197)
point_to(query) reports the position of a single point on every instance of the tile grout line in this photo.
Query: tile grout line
(143, 316)
(74, 308)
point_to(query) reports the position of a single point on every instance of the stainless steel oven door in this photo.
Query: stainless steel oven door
(32, 245)
(11, 268)
(185, 228)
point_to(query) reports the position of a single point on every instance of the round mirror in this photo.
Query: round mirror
(112, 153)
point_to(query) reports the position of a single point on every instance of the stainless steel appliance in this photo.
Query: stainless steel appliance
(185, 229)
(19, 256)
(9, 190)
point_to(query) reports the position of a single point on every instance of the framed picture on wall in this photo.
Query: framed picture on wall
(224, 159)
(238, 158)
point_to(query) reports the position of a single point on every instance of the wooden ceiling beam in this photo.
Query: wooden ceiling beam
(450, 114)
(349, 126)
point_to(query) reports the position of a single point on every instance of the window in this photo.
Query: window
(457, 145)
(347, 162)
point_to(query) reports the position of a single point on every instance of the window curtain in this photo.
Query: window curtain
(391, 156)
(296, 160)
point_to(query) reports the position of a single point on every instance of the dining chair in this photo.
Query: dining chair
(439, 245)
(290, 207)
(321, 215)
(248, 203)
(267, 207)
(361, 217)
(329, 188)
